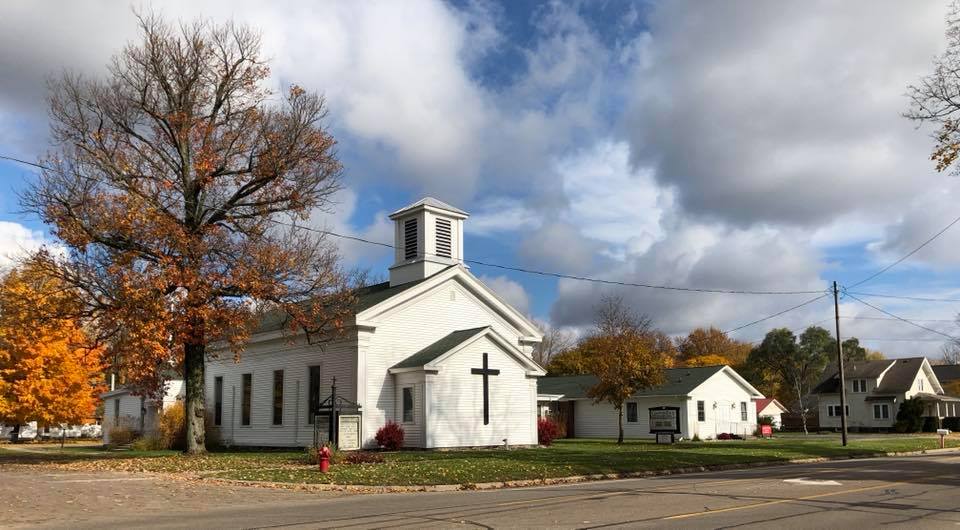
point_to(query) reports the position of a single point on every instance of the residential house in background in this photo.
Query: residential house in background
(122, 408)
(772, 408)
(875, 390)
(433, 349)
(711, 400)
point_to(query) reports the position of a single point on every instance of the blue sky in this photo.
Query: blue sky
(730, 145)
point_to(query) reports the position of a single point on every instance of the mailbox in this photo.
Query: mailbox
(943, 432)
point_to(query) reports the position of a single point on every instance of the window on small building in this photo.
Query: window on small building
(444, 238)
(920, 384)
(701, 411)
(410, 239)
(743, 411)
(278, 397)
(218, 400)
(246, 394)
(859, 385)
(116, 411)
(408, 404)
(313, 395)
(632, 412)
(881, 412)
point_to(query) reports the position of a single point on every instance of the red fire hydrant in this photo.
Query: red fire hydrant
(324, 459)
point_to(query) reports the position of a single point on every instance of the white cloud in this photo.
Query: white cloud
(17, 241)
(512, 292)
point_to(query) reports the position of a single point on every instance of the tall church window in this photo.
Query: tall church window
(444, 238)
(313, 396)
(701, 412)
(247, 394)
(218, 400)
(278, 397)
(632, 414)
(410, 239)
(408, 404)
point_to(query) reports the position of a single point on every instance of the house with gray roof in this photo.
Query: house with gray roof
(709, 400)
(875, 390)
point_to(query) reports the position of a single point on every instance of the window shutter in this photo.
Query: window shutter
(444, 238)
(410, 239)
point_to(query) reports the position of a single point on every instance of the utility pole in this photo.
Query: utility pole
(843, 383)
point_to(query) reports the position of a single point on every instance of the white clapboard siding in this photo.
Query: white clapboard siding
(446, 308)
(456, 400)
(261, 360)
(722, 396)
(129, 413)
(599, 420)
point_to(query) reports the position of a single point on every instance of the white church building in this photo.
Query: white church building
(433, 349)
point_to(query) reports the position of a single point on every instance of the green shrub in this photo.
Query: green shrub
(910, 416)
(696, 438)
(764, 420)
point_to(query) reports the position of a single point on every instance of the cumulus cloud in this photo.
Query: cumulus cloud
(16, 241)
(512, 292)
(792, 117)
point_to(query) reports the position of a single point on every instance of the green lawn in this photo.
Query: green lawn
(564, 458)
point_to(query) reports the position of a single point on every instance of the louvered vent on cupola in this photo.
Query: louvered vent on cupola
(410, 238)
(444, 238)
(428, 238)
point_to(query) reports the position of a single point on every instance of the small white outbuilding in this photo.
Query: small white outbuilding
(710, 400)
(122, 408)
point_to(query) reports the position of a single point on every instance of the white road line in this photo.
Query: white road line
(812, 482)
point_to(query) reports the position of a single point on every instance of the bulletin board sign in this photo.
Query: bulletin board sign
(664, 420)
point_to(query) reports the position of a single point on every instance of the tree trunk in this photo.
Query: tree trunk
(15, 434)
(803, 410)
(194, 409)
(620, 424)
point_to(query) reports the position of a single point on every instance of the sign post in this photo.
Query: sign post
(665, 423)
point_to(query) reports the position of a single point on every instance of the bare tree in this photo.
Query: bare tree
(177, 186)
(934, 98)
(555, 340)
(950, 353)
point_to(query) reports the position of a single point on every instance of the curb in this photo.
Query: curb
(356, 488)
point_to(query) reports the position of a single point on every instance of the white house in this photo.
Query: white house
(711, 400)
(875, 390)
(772, 408)
(123, 408)
(433, 349)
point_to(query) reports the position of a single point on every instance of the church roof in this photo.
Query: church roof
(676, 382)
(367, 297)
(435, 350)
(431, 202)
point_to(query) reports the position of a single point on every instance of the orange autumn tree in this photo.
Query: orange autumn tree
(626, 354)
(49, 368)
(707, 347)
(178, 186)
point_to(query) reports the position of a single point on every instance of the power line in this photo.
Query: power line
(864, 339)
(505, 267)
(798, 306)
(908, 254)
(912, 323)
(951, 320)
(898, 297)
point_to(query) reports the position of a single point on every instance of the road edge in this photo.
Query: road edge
(573, 479)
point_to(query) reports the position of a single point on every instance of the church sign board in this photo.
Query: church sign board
(664, 422)
(348, 432)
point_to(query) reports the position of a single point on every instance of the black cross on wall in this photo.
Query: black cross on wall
(485, 372)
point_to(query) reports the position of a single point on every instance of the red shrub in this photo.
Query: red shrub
(547, 431)
(363, 457)
(390, 436)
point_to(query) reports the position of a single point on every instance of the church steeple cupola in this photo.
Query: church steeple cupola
(428, 237)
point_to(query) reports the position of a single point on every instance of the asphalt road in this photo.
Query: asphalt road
(906, 492)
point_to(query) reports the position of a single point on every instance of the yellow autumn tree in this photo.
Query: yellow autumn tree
(49, 371)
